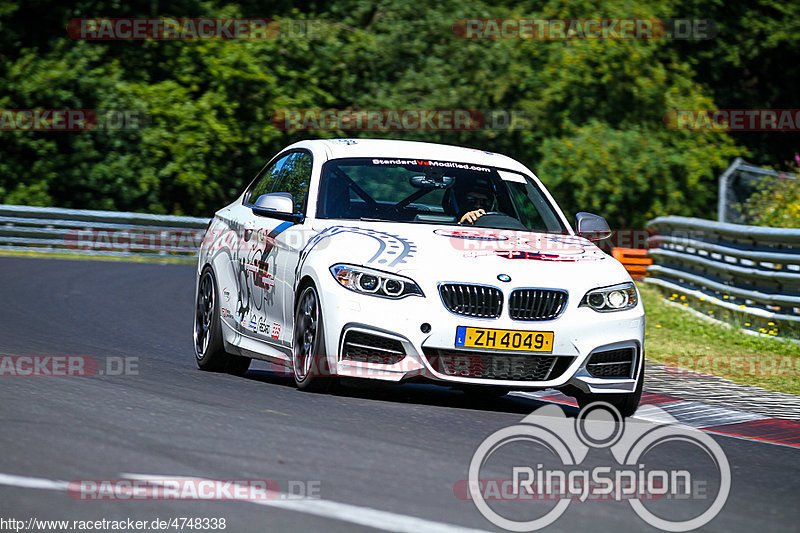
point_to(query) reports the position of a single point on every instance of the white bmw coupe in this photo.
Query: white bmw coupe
(397, 260)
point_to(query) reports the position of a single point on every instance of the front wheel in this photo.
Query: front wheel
(309, 360)
(625, 403)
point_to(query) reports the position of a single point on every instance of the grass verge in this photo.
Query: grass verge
(679, 338)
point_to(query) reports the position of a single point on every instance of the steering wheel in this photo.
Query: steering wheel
(496, 219)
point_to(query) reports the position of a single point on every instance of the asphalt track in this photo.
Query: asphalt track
(384, 458)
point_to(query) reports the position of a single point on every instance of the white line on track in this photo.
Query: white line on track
(32, 482)
(345, 512)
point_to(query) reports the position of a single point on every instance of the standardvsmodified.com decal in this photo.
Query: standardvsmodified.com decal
(597, 457)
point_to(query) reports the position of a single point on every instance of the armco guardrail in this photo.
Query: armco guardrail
(745, 275)
(101, 233)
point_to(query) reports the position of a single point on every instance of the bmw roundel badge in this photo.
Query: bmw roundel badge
(504, 277)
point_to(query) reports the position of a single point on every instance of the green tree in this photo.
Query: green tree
(595, 108)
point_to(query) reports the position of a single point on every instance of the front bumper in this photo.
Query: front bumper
(420, 328)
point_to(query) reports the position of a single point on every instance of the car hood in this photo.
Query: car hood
(431, 254)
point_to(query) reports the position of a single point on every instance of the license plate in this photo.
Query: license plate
(504, 339)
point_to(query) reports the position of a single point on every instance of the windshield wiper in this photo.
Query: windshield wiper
(367, 219)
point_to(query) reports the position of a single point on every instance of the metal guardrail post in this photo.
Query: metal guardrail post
(723, 188)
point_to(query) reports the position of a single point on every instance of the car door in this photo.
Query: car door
(253, 258)
(289, 240)
(268, 239)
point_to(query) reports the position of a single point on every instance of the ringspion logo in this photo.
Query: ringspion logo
(654, 486)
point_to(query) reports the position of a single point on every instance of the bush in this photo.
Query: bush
(777, 204)
(632, 175)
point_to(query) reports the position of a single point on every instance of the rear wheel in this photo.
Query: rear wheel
(209, 349)
(309, 359)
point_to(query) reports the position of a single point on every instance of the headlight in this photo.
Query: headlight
(615, 298)
(367, 281)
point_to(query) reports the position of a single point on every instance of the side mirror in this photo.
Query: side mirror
(276, 203)
(592, 227)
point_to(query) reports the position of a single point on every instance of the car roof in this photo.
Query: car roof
(390, 148)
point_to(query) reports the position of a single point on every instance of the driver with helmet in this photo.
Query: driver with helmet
(473, 199)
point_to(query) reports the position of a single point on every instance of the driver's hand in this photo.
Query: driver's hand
(471, 216)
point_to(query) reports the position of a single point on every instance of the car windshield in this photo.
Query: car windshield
(432, 192)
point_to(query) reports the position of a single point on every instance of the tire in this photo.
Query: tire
(209, 350)
(626, 403)
(238, 365)
(309, 358)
